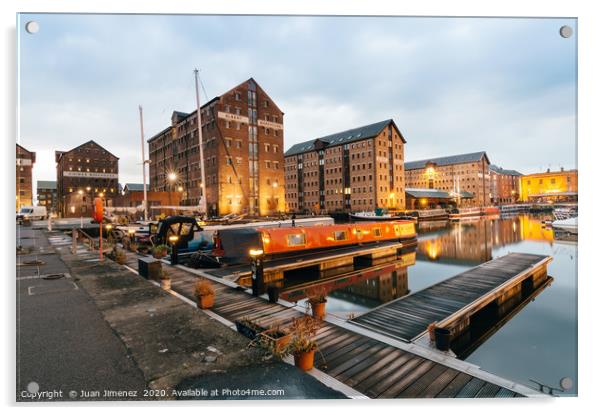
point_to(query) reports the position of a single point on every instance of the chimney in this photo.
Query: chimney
(548, 170)
(561, 168)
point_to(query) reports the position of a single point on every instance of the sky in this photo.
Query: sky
(453, 85)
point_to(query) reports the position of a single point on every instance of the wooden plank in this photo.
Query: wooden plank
(407, 379)
(455, 386)
(361, 371)
(471, 388)
(416, 388)
(439, 383)
(488, 391)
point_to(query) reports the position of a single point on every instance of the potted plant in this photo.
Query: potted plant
(275, 340)
(160, 251)
(133, 246)
(301, 345)
(316, 297)
(248, 328)
(165, 280)
(119, 255)
(205, 294)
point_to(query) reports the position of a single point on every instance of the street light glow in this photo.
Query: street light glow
(172, 176)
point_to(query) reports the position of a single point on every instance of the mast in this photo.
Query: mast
(145, 203)
(202, 199)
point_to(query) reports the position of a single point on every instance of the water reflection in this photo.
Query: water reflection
(535, 339)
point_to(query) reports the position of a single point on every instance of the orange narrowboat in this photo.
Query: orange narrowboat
(277, 242)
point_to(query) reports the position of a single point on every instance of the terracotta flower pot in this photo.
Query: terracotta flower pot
(305, 360)
(166, 284)
(318, 310)
(206, 301)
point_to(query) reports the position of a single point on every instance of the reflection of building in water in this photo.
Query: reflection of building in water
(531, 229)
(381, 288)
(473, 242)
(465, 243)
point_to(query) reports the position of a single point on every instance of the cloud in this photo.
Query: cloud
(506, 86)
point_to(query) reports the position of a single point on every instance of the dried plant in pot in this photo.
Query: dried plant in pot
(160, 251)
(133, 246)
(248, 328)
(165, 280)
(276, 340)
(205, 293)
(119, 255)
(301, 345)
(316, 298)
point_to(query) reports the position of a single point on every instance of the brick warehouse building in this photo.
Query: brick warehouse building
(25, 160)
(243, 138)
(505, 185)
(46, 190)
(83, 173)
(354, 170)
(455, 174)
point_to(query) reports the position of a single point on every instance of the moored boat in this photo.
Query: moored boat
(278, 242)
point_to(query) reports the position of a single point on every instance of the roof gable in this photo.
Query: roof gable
(60, 154)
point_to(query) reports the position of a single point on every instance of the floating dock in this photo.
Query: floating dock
(453, 302)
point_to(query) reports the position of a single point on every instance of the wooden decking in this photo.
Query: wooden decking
(407, 318)
(369, 366)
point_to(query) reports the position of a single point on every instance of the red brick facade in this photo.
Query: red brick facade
(25, 160)
(83, 173)
(243, 138)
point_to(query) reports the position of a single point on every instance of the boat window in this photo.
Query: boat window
(296, 239)
(340, 235)
(376, 231)
(397, 231)
(186, 227)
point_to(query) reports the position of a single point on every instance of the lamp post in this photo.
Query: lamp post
(257, 282)
(108, 227)
(172, 177)
(173, 240)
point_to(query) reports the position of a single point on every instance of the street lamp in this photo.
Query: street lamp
(172, 177)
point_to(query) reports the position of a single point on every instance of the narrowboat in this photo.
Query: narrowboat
(289, 241)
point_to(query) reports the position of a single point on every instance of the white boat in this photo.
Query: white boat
(370, 216)
(569, 225)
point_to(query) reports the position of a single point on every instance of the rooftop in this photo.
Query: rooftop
(135, 187)
(500, 170)
(447, 160)
(46, 184)
(343, 137)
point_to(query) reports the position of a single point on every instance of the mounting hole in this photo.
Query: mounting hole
(32, 27)
(566, 383)
(566, 31)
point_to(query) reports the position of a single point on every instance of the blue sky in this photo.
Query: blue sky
(452, 85)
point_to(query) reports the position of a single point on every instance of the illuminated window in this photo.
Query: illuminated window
(297, 239)
(376, 231)
(340, 236)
